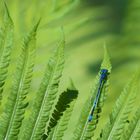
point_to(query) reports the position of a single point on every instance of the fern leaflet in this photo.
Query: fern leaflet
(45, 97)
(121, 110)
(85, 129)
(133, 130)
(13, 114)
(61, 114)
(6, 44)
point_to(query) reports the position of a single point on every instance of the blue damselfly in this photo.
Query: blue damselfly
(103, 78)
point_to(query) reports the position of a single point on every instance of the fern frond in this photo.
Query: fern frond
(120, 113)
(106, 61)
(84, 129)
(45, 97)
(6, 44)
(61, 114)
(133, 130)
(63, 124)
(13, 114)
(58, 132)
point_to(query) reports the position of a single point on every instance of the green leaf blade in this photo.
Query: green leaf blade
(60, 116)
(84, 129)
(45, 96)
(133, 130)
(6, 44)
(120, 113)
(15, 107)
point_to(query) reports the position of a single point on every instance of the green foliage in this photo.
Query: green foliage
(6, 44)
(132, 132)
(13, 112)
(46, 116)
(84, 129)
(58, 123)
(45, 96)
(123, 106)
(62, 126)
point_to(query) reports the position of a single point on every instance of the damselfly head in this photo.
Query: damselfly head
(104, 71)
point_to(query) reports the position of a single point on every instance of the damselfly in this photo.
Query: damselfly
(103, 78)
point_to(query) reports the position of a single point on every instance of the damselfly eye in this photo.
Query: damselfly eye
(104, 71)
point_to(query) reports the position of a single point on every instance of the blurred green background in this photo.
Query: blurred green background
(87, 24)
